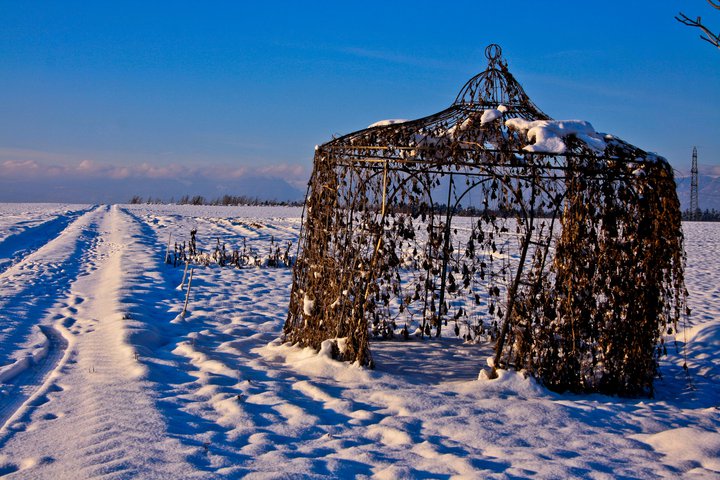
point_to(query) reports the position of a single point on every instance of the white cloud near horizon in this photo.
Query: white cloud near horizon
(28, 164)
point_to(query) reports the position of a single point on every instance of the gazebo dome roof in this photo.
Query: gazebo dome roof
(497, 87)
(491, 112)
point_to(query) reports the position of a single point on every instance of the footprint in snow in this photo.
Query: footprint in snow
(8, 468)
(41, 400)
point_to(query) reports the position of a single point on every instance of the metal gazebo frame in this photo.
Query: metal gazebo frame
(565, 218)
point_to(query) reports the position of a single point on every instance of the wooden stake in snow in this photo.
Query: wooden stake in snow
(187, 293)
(167, 249)
(182, 284)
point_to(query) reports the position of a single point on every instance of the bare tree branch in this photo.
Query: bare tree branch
(709, 36)
(716, 5)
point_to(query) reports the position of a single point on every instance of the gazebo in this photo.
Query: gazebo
(560, 244)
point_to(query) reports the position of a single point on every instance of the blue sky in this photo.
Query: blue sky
(158, 90)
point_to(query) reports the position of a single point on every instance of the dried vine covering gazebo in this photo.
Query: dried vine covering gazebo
(561, 245)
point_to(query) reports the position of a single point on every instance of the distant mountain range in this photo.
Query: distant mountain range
(708, 192)
(107, 190)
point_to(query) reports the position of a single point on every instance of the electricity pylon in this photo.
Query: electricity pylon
(694, 207)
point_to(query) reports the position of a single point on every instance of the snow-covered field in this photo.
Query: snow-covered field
(103, 378)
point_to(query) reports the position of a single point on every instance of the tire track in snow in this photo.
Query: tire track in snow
(165, 367)
(29, 386)
(17, 246)
(215, 391)
(31, 287)
(100, 420)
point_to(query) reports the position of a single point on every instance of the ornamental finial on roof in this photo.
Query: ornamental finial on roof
(493, 53)
(495, 86)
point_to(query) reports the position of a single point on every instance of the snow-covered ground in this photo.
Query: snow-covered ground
(103, 378)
